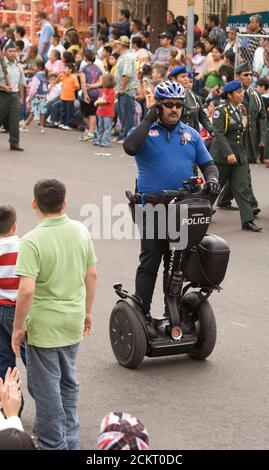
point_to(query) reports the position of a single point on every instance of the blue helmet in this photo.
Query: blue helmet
(169, 90)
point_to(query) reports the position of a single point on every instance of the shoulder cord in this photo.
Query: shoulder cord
(257, 99)
(226, 119)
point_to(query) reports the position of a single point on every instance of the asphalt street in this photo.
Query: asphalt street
(221, 403)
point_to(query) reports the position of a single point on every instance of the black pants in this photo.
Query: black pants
(10, 113)
(152, 253)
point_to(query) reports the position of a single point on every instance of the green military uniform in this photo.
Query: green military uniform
(255, 133)
(229, 125)
(9, 102)
(193, 112)
(257, 123)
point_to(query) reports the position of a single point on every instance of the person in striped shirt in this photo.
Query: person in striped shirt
(9, 284)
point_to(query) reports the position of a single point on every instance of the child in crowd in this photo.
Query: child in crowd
(208, 138)
(55, 44)
(37, 98)
(198, 65)
(54, 87)
(54, 92)
(54, 64)
(70, 86)
(19, 50)
(105, 111)
(112, 62)
(9, 284)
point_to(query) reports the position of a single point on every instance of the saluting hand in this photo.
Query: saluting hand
(153, 113)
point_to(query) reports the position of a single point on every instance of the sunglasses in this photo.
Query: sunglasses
(171, 105)
(247, 74)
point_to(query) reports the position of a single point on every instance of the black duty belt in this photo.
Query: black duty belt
(152, 198)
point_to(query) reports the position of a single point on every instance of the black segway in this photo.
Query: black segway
(188, 325)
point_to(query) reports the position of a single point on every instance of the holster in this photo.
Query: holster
(132, 202)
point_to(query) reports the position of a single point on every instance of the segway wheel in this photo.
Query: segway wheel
(205, 327)
(127, 336)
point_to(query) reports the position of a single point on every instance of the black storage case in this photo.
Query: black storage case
(207, 263)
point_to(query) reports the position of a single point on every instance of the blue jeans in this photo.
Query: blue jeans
(67, 113)
(52, 382)
(126, 106)
(104, 131)
(7, 356)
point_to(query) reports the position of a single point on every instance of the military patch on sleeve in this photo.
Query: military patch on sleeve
(216, 114)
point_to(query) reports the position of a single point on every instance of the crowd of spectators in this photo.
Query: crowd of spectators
(104, 93)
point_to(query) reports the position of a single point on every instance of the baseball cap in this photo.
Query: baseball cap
(165, 35)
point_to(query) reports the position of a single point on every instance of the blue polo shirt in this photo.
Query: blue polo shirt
(167, 158)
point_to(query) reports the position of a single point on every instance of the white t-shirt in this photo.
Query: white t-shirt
(12, 422)
(59, 48)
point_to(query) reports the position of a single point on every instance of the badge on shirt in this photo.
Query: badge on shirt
(154, 133)
(216, 114)
(186, 137)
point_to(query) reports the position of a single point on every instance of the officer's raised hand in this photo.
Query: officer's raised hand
(153, 113)
(212, 187)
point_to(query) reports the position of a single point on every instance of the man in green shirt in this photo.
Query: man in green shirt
(56, 265)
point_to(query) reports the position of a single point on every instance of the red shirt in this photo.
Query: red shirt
(107, 109)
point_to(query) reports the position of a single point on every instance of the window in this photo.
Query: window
(214, 6)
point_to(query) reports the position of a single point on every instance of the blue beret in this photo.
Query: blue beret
(176, 70)
(232, 86)
(191, 74)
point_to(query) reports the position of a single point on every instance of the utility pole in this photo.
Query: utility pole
(95, 23)
(190, 31)
(158, 9)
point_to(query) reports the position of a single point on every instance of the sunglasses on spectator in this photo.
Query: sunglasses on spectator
(248, 74)
(171, 105)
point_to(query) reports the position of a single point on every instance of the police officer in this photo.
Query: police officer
(255, 133)
(12, 81)
(193, 111)
(165, 151)
(229, 151)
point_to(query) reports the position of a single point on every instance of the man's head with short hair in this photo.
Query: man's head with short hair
(136, 25)
(89, 55)
(213, 20)
(68, 21)
(13, 439)
(255, 23)
(20, 31)
(125, 13)
(262, 85)
(158, 73)
(42, 15)
(19, 45)
(49, 196)
(8, 220)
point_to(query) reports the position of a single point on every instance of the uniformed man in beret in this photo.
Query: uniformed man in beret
(257, 118)
(12, 81)
(193, 111)
(229, 151)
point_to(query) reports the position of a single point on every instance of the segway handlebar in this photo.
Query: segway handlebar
(192, 185)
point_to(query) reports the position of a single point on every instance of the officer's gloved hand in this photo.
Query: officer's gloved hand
(153, 113)
(212, 187)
